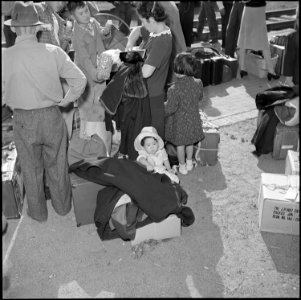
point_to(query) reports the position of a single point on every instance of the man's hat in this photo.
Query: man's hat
(23, 15)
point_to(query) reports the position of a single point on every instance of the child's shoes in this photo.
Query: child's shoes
(183, 169)
(189, 165)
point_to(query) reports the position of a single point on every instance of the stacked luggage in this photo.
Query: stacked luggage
(278, 46)
(12, 183)
(213, 67)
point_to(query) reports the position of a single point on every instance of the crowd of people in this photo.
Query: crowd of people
(46, 89)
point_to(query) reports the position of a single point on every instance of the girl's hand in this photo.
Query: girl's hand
(149, 168)
(172, 171)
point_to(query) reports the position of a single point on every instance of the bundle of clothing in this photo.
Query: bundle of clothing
(153, 196)
(277, 104)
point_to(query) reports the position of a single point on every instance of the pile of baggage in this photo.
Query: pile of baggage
(213, 66)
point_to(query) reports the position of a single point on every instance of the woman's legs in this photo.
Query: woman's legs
(242, 59)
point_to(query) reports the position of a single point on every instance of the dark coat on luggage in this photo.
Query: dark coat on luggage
(264, 135)
(126, 225)
(270, 96)
(263, 138)
(154, 193)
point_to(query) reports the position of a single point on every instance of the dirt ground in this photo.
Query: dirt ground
(223, 254)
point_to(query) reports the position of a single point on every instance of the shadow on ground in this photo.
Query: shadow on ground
(204, 236)
(284, 250)
(270, 165)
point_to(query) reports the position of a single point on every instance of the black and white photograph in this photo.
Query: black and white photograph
(150, 149)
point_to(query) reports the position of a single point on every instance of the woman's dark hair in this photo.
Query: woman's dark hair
(146, 137)
(185, 64)
(73, 5)
(147, 9)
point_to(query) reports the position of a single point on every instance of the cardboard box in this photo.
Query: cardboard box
(292, 163)
(168, 228)
(278, 203)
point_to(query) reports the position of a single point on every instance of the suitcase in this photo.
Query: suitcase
(232, 63)
(280, 51)
(216, 70)
(285, 138)
(203, 70)
(282, 39)
(207, 149)
(84, 194)
(12, 185)
(203, 57)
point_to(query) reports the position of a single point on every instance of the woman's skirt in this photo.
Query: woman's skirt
(253, 29)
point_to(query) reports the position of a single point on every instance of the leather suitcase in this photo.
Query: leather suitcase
(12, 186)
(84, 194)
(280, 51)
(232, 63)
(207, 149)
(285, 138)
(203, 57)
(216, 70)
(203, 70)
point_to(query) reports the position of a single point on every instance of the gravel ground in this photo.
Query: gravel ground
(223, 254)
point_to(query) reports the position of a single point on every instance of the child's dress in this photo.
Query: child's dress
(156, 160)
(183, 123)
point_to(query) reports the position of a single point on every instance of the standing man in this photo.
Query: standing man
(233, 27)
(186, 11)
(6, 8)
(207, 12)
(31, 74)
(225, 10)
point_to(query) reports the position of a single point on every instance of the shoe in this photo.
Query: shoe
(189, 165)
(272, 76)
(183, 169)
(243, 73)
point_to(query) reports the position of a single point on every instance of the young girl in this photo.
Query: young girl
(152, 154)
(88, 42)
(183, 123)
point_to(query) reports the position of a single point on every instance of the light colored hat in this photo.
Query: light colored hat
(23, 15)
(147, 132)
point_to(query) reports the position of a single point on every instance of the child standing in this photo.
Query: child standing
(88, 42)
(59, 34)
(183, 123)
(152, 154)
